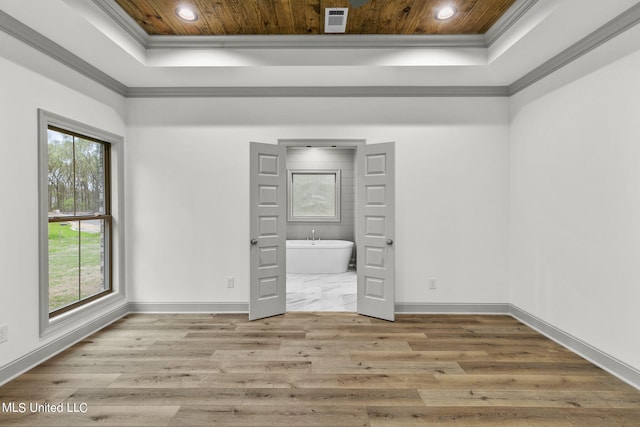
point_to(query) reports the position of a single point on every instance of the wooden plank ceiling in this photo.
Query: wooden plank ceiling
(263, 17)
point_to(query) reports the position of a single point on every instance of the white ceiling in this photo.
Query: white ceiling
(548, 28)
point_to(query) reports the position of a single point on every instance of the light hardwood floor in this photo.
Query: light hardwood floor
(320, 369)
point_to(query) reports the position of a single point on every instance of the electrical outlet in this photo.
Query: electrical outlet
(433, 283)
(230, 282)
(4, 333)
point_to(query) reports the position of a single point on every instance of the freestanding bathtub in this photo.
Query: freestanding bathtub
(318, 256)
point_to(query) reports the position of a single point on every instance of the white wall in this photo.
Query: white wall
(188, 190)
(22, 92)
(575, 206)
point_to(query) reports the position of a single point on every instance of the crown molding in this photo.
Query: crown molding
(317, 92)
(506, 21)
(126, 22)
(25, 34)
(613, 28)
(319, 41)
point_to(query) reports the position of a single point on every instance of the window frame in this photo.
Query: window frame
(106, 217)
(311, 218)
(114, 254)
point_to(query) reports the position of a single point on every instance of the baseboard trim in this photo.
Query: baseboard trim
(448, 308)
(615, 367)
(621, 370)
(188, 307)
(47, 351)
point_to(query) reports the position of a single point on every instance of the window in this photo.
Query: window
(78, 243)
(314, 195)
(79, 217)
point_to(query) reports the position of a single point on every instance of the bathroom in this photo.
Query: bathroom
(331, 168)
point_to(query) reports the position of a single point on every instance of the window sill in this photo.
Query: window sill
(80, 315)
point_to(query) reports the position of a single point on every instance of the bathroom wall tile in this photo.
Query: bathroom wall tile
(327, 159)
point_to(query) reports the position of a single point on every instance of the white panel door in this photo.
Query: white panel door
(375, 231)
(268, 294)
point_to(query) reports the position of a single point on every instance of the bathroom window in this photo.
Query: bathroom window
(314, 195)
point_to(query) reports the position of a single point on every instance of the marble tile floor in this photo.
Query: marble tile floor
(322, 292)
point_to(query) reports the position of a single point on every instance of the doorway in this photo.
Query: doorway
(374, 226)
(321, 202)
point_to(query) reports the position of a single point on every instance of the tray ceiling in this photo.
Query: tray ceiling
(297, 17)
(531, 40)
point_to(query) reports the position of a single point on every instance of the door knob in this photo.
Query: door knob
(254, 242)
(389, 242)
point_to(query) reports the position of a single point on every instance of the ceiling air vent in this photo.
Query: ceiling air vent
(335, 19)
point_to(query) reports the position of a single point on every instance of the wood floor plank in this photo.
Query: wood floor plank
(620, 399)
(530, 382)
(322, 346)
(118, 344)
(187, 380)
(15, 393)
(366, 381)
(328, 369)
(249, 354)
(277, 355)
(141, 334)
(157, 352)
(425, 356)
(520, 398)
(364, 336)
(246, 396)
(214, 336)
(465, 416)
(205, 348)
(62, 379)
(162, 396)
(252, 366)
(330, 366)
(106, 366)
(474, 341)
(116, 416)
(272, 416)
(532, 354)
(524, 368)
(499, 348)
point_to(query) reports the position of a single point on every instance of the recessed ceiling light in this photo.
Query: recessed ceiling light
(445, 13)
(186, 13)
